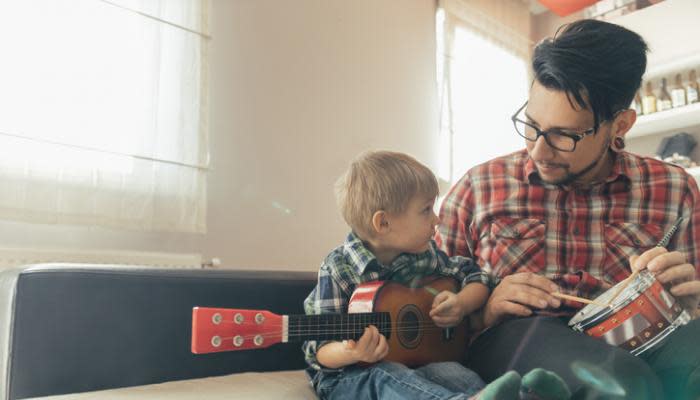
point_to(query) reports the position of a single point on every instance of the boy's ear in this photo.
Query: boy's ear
(380, 222)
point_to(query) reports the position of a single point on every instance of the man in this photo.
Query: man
(576, 213)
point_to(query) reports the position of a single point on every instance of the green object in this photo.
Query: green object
(432, 291)
(545, 385)
(504, 388)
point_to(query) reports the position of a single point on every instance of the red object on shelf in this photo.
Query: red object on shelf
(565, 7)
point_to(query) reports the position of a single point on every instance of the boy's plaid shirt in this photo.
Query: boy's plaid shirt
(504, 216)
(352, 264)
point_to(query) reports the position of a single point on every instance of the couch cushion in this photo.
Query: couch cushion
(287, 385)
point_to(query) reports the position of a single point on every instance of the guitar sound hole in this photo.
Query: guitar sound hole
(408, 321)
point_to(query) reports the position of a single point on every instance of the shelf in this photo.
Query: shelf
(665, 121)
(672, 67)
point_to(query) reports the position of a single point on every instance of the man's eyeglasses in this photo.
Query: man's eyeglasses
(562, 140)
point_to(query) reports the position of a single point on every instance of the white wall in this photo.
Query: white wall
(298, 89)
(670, 28)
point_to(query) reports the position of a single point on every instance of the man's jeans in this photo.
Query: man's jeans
(388, 381)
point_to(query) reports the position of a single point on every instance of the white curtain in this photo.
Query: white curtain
(103, 113)
(483, 62)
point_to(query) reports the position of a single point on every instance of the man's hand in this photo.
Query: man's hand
(446, 310)
(370, 348)
(674, 272)
(517, 295)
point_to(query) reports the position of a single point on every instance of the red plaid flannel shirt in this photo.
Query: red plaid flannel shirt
(503, 215)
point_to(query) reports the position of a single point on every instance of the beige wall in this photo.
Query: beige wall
(298, 88)
(546, 24)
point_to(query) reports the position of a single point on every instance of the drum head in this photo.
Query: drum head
(594, 312)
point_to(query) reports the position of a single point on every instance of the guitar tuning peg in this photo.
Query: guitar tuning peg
(258, 340)
(259, 318)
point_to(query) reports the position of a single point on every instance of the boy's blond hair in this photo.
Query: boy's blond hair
(381, 181)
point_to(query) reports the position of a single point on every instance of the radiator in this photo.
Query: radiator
(22, 256)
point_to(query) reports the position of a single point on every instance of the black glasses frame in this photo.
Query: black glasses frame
(575, 136)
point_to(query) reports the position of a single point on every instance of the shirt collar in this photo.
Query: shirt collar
(362, 258)
(358, 253)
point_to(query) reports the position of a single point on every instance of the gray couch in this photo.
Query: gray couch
(74, 331)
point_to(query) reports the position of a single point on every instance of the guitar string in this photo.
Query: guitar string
(332, 324)
(357, 334)
(335, 328)
(327, 324)
(363, 324)
(343, 333)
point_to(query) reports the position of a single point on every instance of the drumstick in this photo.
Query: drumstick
(662, 243)
(623, 286)
(578, 299)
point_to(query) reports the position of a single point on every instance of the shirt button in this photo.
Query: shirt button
(637, 242)
(576, 231)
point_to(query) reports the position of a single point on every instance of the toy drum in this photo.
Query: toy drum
(641, 316)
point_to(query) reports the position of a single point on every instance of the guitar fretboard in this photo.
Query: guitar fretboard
(336, 326)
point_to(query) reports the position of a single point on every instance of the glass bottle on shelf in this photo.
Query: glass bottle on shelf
(678, 93)
(637, 103)
(649, 100)
(692, 90)
(663, 102)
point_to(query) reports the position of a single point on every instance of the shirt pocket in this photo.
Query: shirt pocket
(516, 244)
(624, 240)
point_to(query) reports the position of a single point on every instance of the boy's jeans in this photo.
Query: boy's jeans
(389, 381)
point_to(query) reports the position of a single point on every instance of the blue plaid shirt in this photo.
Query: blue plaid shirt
(352, 264)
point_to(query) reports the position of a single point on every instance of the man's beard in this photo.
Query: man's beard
(571, 177)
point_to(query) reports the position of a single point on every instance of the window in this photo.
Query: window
(103, 113)
(483, 79)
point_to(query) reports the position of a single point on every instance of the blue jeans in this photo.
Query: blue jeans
(388, 381)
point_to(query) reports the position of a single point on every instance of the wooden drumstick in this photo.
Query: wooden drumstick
(623, 286)
(662, 243)
(578, 299)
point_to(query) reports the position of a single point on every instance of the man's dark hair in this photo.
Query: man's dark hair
(598, 64)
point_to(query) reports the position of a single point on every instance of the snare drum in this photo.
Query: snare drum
(639, 318)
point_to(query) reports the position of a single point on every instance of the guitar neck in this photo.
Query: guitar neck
(335, 326)
(227, 329)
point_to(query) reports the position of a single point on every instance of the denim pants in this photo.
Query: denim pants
(389, 381)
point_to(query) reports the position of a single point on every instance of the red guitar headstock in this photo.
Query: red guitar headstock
(227, 329)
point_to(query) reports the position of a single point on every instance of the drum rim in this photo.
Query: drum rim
(594, 319)
(682, 319)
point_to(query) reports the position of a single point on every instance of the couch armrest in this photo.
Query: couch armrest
(73, 328)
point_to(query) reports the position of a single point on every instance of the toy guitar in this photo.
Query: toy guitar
(400, 313)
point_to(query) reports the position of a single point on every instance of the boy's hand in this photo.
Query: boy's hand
(370, 348)
(447, 310)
